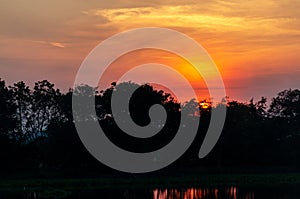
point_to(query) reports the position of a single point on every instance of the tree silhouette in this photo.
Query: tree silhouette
(34, 109)
(7, 108)
(22, 101)
(139, 104)
(37, 130)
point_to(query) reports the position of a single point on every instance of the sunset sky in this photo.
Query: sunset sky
(255, 44)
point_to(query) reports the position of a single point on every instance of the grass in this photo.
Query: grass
(182, 180)
(64, 187)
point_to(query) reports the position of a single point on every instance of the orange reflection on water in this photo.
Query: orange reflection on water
(202, 193)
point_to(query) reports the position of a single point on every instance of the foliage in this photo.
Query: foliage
(37, 132)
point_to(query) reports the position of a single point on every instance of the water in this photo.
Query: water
(228, 192)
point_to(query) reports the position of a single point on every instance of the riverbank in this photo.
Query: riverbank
(137, 181)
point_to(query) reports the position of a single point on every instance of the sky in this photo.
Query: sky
(255, 44)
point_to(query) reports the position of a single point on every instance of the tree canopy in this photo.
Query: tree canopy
(37, 130)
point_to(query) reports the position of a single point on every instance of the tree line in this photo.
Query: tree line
(37, 131)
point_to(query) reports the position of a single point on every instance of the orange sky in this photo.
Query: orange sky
(255, 44)
(135, 58)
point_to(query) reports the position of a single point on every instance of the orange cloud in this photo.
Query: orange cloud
(57, 44)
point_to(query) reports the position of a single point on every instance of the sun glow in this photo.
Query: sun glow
(139, 57)
(204, 105)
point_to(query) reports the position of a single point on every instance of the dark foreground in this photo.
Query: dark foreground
(235, 186)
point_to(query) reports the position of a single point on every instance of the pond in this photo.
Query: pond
(225, 192)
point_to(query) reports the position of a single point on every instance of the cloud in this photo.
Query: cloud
(57, 44)
(54, 44)
(221, 23)
(184, 16)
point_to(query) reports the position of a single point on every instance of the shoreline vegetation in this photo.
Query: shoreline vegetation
(40, 147)
(142, 181)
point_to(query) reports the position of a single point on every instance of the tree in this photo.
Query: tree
(139, 104)
(7, 109)
(285, 113)
(35, 109)
(286, 104)
(286, 108)
(21, 100)
(44, 108)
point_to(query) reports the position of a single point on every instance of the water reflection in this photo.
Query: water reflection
(203, 193)
(225, 192)
(31, 195)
